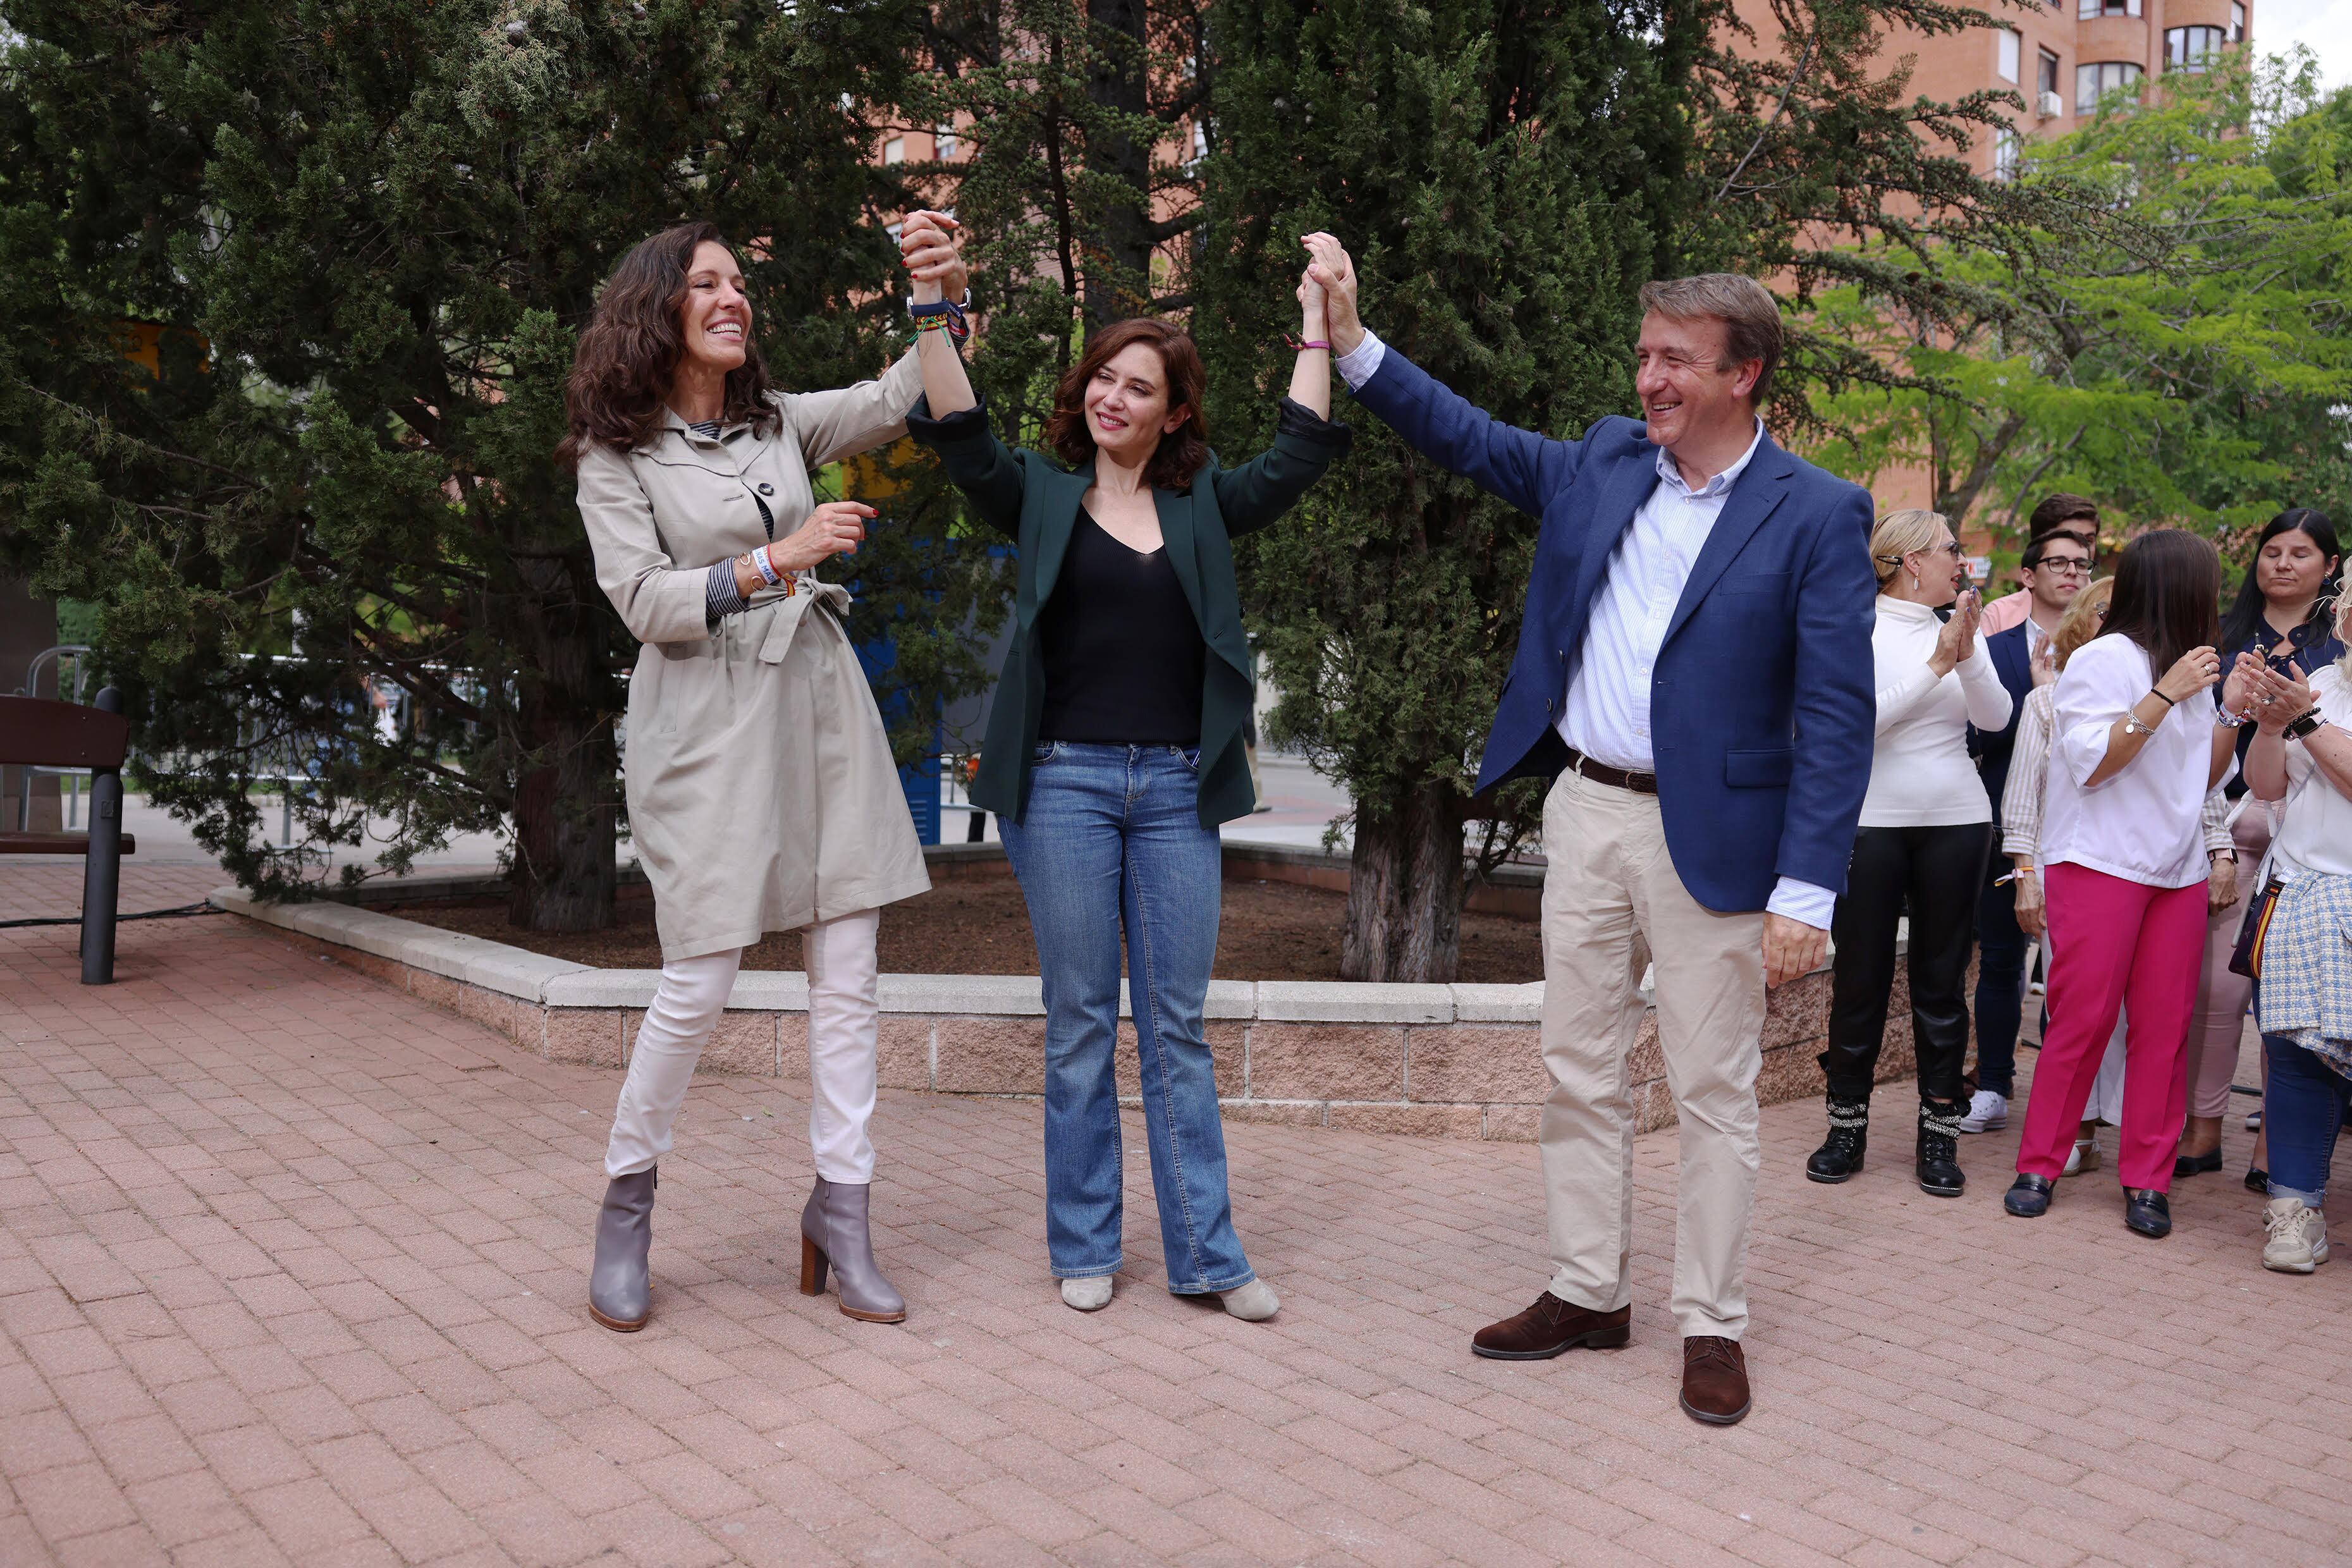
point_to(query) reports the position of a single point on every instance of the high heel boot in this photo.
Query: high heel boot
(1940, 1175)
(1840, 1155)
(620, 1286)
(834, 1232)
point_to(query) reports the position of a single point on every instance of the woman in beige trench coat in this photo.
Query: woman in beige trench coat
(760, 789)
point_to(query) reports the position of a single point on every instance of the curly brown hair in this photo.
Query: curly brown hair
(621, 371)
(1182, 450)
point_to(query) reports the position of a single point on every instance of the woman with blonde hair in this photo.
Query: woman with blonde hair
(1925, 829)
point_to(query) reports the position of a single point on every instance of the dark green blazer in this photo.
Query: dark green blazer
(1033, 500)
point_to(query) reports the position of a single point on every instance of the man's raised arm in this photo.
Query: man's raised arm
(1516, 466)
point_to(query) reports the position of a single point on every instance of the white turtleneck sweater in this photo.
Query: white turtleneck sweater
(1920, 771)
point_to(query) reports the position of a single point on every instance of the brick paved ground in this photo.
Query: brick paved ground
(292, 1271)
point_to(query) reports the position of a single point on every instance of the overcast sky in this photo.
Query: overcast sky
(2325, 25)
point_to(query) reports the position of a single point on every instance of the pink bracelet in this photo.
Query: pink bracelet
(1318, 343)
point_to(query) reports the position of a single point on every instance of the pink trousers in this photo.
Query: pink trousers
(2113, 943)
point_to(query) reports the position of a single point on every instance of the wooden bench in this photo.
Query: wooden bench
(48, 735)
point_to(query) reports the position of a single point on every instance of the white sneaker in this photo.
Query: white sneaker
(2297, 1241)
(2085, 1156)
(1089, 1295)
(1987, 1112)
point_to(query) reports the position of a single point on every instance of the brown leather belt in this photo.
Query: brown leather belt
(1615, 778)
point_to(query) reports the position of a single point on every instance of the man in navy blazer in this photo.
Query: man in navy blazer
(1694, 672)
(2055, 567)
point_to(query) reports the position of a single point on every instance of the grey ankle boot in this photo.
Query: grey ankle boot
(620, 1289)
(834, 1231)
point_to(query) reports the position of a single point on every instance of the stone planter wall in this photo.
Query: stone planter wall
(1450, 1061)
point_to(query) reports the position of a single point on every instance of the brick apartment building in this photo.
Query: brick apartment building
(2061, 57)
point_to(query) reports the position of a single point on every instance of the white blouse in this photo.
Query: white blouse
(2029, 769)
(1920, 772)
(2142, 824)
(2317, 833)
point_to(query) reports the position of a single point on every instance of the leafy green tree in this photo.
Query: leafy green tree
(1815, 166)
(353, 244)
(1505, 176)
(2186, 361)
(1080, 194)
(1509, 174)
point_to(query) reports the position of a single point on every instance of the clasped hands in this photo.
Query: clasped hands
(2276, 697)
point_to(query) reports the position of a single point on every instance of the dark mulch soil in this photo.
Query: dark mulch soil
(978, 925)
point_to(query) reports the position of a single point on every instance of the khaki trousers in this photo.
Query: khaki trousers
(1611, 903)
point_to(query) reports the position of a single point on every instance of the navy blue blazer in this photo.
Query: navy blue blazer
(1762, 704)
(2013, 660)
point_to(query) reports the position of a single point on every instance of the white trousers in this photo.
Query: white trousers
(842, 1029)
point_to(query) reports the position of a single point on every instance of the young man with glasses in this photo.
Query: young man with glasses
(2056, 567)
(2077, 517)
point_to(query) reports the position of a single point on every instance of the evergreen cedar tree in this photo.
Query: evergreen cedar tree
(1507, 176)
(376, 231)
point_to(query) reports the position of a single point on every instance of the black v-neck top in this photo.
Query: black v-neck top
(1125, 662)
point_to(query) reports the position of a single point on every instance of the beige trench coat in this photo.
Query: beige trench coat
(761, 795)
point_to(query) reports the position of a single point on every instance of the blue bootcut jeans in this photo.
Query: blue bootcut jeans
(1112, 842)
(2304, 1106)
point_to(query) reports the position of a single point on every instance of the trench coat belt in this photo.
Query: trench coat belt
(784, 619)
(1615, 778)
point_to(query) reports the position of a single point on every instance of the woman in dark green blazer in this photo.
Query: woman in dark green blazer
(1114, 750)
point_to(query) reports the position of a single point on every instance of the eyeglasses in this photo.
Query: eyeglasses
(2063, 565)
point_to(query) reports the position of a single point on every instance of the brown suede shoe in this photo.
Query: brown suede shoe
(1714, 1380)
(1550, 1327)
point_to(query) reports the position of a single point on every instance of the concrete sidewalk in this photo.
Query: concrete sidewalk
(291, 1270)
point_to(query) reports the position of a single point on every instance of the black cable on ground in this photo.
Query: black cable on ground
(183, 911)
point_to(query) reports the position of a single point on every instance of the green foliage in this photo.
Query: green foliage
(1504, 175)
(1076, 193)
(368, 235)
(1815, 166)
(2185, 360)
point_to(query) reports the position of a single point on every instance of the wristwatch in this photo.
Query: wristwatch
(2302, 728)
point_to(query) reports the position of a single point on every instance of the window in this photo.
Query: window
(2011, 49)
(894, 151)
(2046, 74)
(944, 142)
(2191, 48)
(2091, 10)
(2092, 82)
(2004, 154)
(2237, 24)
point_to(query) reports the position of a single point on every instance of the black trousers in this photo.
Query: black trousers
(1938, 872)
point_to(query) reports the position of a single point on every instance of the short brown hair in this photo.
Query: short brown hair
(1750, 317)
(619, 387)
(1182, 450)
(2057, 510)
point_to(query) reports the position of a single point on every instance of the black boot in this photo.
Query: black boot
(1849, 1140)
(1939, 1149)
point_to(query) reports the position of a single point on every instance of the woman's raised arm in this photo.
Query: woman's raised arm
(946, 388)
